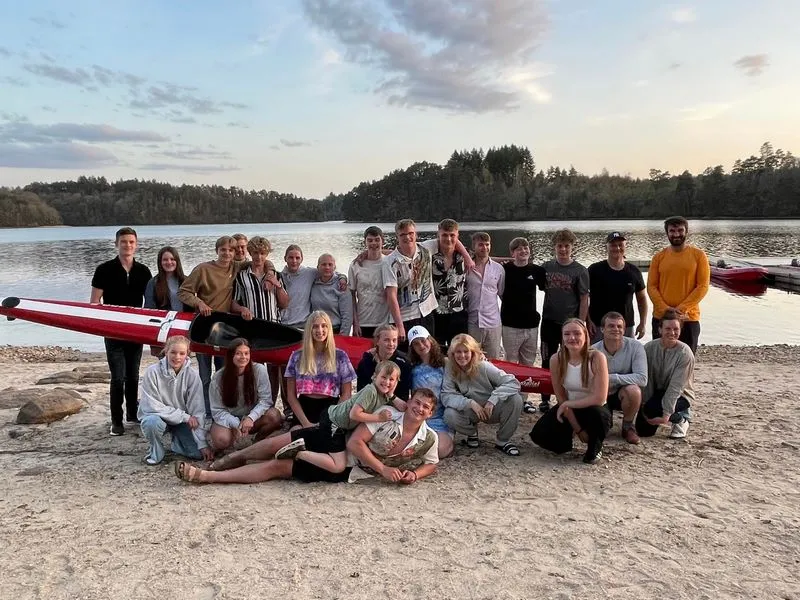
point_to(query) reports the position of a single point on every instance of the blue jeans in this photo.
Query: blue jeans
(183, 442)
(123, 359)
(204, 367)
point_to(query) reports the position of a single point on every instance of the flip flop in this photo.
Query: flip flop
(472, 441)
(187, 472)
(508, 448)
(530, 408)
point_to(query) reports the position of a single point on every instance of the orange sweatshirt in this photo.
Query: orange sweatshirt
(678, 280)
(210, 283)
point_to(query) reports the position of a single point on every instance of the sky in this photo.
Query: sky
(315, 96)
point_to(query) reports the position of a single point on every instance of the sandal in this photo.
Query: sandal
(227, 462)
(508, 448)
(530, 408)
(472, 441)
(187, 472)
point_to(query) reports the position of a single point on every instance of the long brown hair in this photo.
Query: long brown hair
(436, 356)
(586, 354)
(230, 378)
(161, 287)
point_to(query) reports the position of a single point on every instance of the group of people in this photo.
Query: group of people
(436, 312)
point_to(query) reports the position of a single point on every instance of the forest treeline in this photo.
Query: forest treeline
(498, 184)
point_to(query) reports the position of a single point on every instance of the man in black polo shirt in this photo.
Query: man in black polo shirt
(121, 281)
(612, 284)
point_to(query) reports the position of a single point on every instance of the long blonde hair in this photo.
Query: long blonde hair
(308, 360)
(587, 354)
(471, 344)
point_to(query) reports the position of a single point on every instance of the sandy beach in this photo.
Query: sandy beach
(713, 516)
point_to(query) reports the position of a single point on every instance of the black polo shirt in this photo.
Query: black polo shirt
(120, 287)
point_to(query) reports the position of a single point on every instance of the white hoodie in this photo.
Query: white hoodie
(175, 397)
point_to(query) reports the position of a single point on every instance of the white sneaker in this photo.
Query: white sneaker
(290, 450)
(679, 430)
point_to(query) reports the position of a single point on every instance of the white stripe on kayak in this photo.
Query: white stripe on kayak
(97, 314)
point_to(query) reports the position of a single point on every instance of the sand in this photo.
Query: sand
(714, 516)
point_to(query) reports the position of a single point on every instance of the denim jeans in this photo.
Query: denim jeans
(183, 442)
(204, 367)
(123, 359)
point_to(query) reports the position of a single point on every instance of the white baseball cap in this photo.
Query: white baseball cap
(418, 331)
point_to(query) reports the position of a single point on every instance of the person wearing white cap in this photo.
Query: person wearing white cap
(612, 284)
(427, 371)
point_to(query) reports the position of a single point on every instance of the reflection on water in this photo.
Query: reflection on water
(59, 262)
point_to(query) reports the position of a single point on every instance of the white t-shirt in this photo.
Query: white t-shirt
(413, 279)
(367, 281)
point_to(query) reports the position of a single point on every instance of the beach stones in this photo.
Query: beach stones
(46, 406)
(79, 375)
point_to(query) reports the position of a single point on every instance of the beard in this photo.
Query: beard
(678, 240)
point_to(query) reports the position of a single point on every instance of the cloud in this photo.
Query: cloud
(294, 143)
(47, 22)
(331, 57)
(61, 155)
(48, 108)
(168, 95)
(196, 154)
(15, 81)
(472, 55)
(674, 66)
(28, 133)
(5, 52)
(704, 112)
(753, 64)
(274, 147)
(80, 77)
(683, 14)
(197, 169)
(239, 124)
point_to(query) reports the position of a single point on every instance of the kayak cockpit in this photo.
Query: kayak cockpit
(220, 329)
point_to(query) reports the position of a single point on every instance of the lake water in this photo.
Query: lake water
(58, 263)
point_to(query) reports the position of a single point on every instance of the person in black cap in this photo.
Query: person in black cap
(612, 285)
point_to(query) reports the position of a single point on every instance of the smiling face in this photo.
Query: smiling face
(614, 329)
(293, 258)
(482, 248)
(319, 331)
(422, 346)
(241, 357)
(386, 381)
(563, 252)
(126, 245)
(240, 250)
(573, 336)
(225, 254)
(176, 355)
(386, 344)
(616, 249)
(670, 332)
(407, 239)
(462, 355)
(373, 243)
(419, 408)
(447, 240)
(676, 235)
(168, 262)
(521, 255)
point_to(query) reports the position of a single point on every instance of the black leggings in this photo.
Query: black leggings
(556, 436)
(653, 409)
(550, 333)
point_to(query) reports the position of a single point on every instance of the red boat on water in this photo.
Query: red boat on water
(738, 272)
(270, 342)
(741, 288)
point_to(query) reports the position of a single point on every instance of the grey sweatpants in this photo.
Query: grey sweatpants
(506, 414)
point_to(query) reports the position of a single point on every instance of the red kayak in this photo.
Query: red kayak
(270, 342)
(738, 273)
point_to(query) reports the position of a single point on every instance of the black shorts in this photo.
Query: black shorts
(613, 401)
(319, 438)
(313, 408)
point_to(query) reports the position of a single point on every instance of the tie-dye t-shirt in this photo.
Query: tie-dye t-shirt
(327, 384)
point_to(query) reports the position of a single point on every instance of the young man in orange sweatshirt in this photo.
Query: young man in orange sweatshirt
(678, 279)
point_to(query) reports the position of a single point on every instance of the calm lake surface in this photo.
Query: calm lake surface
(58, 263)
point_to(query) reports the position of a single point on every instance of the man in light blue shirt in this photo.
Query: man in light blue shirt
(627, 372)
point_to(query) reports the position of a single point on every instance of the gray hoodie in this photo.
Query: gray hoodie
(490, 384)
(175, 397)
(228, 416)
(339, 305)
